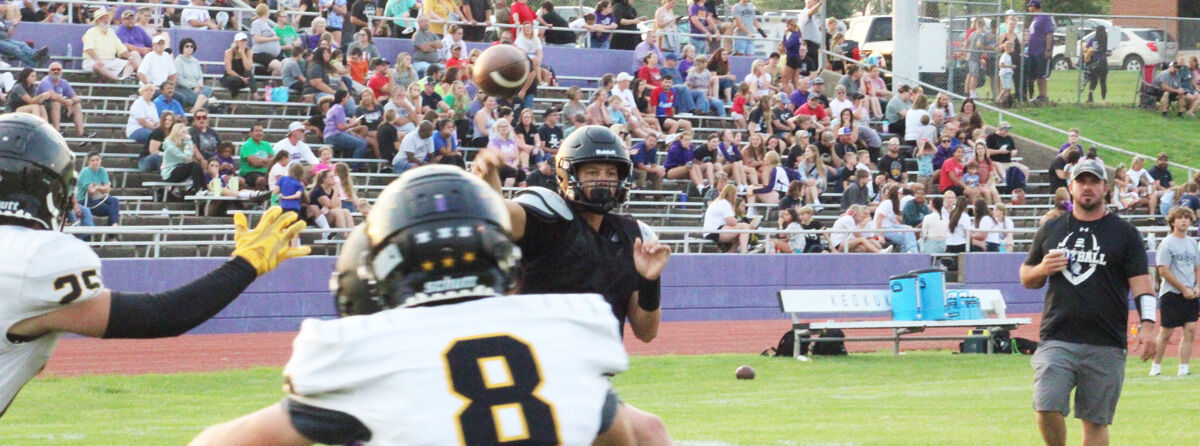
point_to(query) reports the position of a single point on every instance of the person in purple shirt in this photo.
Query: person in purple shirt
(644, 156)
(338, 129)
(604, 18)
(1040, 41)
(945, 150)
(799, 96)
(133, 36)
(65, 97)
(649, 45)
(681, 163)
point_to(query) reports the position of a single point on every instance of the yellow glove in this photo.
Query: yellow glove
(270, 242)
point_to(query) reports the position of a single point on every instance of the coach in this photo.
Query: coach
(1092, 259)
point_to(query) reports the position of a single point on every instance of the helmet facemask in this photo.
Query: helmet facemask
(603, 196)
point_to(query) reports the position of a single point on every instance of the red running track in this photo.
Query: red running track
(206, 353)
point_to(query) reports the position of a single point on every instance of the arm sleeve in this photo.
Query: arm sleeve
(328, 426)
(174, 312)
(1036, 250)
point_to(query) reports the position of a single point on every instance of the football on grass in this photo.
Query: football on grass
(501, 70)
(745, 372)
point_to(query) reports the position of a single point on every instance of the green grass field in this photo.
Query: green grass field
(927, 398)
(1114, 121)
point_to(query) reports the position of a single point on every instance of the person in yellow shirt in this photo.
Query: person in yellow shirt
(103, 51)
(439, 11)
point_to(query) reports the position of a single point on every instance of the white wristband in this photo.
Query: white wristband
(1148, 305)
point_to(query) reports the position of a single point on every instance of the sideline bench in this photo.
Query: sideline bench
(803, 305)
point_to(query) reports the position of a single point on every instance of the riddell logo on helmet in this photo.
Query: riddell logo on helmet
(448, 283)
(606, 152)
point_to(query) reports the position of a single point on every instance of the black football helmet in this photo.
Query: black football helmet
(436, 234)
(37, 172)
(591, 144)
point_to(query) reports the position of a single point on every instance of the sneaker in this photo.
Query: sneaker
(41, 57)
(742, 189)
(260, 196)
(887, 249)
(1155, 369)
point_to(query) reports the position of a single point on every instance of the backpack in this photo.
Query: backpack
(1014, 179)
(787, 344)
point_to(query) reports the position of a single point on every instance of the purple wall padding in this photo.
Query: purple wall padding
(211, 46)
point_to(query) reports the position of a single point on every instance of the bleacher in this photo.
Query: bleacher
(106, 105)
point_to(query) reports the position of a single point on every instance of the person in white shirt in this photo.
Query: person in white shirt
(195, 18)
(720, 215)
(639, 127)
(956, 221)
(143, 116)
(997, 222)
(857, 217)
(1141, 181)
(415, 148)
(912, 121)
(887, 216)
(157, 66)
(934, 228)
(840, 102)
(295, 146)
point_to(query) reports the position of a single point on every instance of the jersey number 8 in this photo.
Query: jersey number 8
(498, 376)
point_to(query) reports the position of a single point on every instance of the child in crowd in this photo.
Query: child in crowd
(326, 163)
(291, 190)
(738, 111)
(924, 157)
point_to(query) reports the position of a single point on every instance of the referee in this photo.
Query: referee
(1092, 259)
(1176, 259)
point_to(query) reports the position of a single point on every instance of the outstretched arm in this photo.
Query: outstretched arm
(171, 313)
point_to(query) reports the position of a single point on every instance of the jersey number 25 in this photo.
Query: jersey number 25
(498, 376)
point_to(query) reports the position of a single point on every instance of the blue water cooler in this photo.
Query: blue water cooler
(932, 284)
(904, 297)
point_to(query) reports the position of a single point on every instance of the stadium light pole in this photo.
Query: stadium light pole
(905, 42)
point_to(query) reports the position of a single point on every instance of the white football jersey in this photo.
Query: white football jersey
(493, 370)
(43, 271)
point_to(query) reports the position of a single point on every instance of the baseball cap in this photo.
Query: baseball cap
(671, 56)
(893, 142)
(1004, 125)
(127, 13)
(240, 36)
(818, 81)
(100, 13)
(623, 76)
(1035, 3)
(1173, 64)
(1089, 166)
(295, 125)
(160, 38)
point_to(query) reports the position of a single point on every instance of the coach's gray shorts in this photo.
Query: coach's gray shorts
(1095, 372)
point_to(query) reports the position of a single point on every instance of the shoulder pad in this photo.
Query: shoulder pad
(545, 203)
(648, 234)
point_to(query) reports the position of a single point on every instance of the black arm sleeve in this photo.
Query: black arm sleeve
(325, 425)
(649, 294)
(174, 312)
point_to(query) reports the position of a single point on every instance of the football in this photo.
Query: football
(501, 70)
(745, 372)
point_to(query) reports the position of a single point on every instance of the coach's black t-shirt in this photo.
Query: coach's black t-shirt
(1088, 303)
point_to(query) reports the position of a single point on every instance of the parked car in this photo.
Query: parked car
(874, 36)
(1137, 47)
